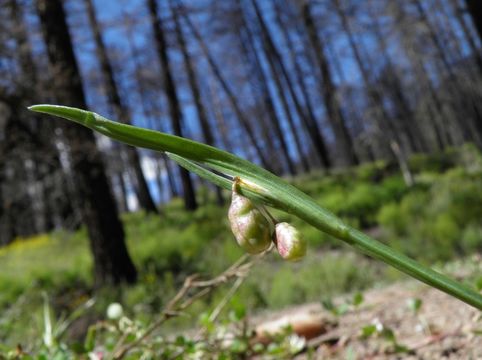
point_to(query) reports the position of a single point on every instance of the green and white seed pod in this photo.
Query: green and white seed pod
(248, 224)
(290, 243)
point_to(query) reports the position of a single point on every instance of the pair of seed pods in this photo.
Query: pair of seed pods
(253, 230)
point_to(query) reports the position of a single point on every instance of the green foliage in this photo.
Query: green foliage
(340, 309)
(41, 262)
(467, 157)
(166, 249)
(437, 163)
(358, 201)
(372, 172)
(438, 222)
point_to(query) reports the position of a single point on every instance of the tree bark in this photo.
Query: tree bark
(221, 123)
(438, 116)
(170, 176)
(382, 118)
(112, 263)
(124, 206)
(147, 105)
(406, 124)
(173, 101)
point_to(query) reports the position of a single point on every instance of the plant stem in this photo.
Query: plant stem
(316, 216)
(313, 214)
(260, 185)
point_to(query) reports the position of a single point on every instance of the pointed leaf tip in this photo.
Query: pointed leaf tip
(38, 107)
(73, 114)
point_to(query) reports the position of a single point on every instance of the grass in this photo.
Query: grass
(435, 221)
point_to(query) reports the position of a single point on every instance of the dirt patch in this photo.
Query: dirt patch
(441, 328)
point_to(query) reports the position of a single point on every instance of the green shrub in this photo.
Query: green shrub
(372, 172)
(461, 197)
(393, 188)
(472, 239)
(469, 157)
(362, 201)
(392, 218)
(438, 222)
(430, 162)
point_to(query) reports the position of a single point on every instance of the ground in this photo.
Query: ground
(418, 321)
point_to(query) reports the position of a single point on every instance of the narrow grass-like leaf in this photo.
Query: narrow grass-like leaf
(263, 186)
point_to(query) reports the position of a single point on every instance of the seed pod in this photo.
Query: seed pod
(289, 242)
(248, 224)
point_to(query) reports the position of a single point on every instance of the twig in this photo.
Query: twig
(239, 270)
(226, 298)
(166, 314)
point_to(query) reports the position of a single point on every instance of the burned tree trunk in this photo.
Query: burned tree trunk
(112, 263)
(196, 94)
(332, 104)
(243, 120)
(253, 58)
(475, 10)
(279, 72)
(173, 101)
(120, 111)
(309, 120)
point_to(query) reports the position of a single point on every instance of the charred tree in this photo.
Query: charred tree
(120, 111)
(196, 93)
(243, 119)
(329, 92)
(471, 130)
(309, 120)
(52, 197)
(112, 263)
(279, 73)
(175, 112)
(252, 56)
(475, 10)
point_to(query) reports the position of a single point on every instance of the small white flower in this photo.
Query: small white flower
(114, 311)
(296, 343)
(378, 325)
(419, 328)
